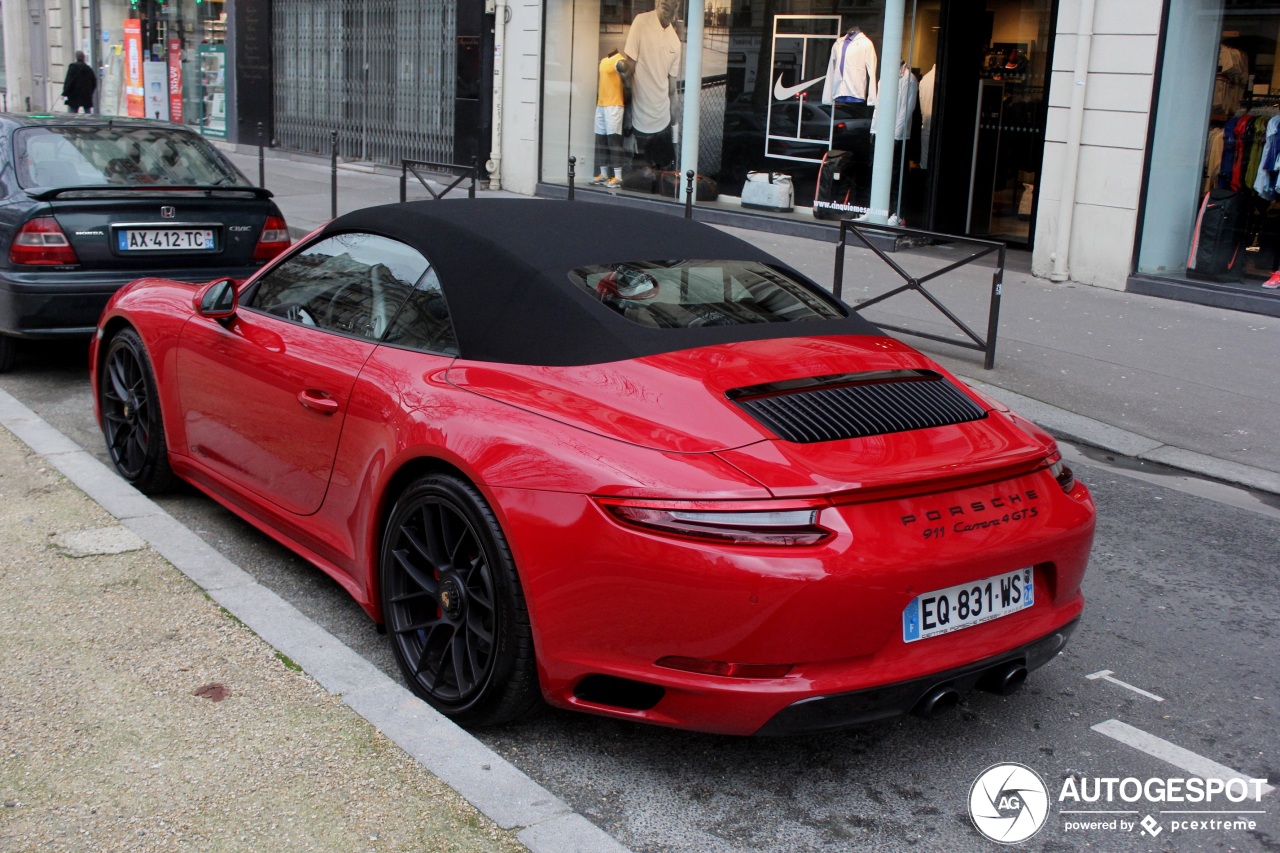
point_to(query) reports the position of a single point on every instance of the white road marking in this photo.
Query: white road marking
(1106, 674)
(1172, 753)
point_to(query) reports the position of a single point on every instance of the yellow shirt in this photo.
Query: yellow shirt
(610, 90)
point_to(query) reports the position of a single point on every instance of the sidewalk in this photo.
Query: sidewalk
(136, 714)
(150, 685)
(1182, 385)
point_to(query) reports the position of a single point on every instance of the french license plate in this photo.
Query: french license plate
(160, 239)
(945, 610)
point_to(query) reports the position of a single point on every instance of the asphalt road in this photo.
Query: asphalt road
(1182, 616)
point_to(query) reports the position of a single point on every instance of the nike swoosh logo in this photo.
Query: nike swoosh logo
(781, 92)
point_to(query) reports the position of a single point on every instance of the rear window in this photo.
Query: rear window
(118, 156)
(687, 294)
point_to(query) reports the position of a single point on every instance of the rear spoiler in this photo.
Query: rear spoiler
(47, 193)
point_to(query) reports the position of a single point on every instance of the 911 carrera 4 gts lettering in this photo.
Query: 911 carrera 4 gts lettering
(1007, 518)
(1009, 501)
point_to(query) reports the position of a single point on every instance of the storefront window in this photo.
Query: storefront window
(164, 59)
(1210, 212)
(788, 96)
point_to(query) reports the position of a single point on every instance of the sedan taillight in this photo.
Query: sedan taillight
(727, 524)
(41, 242)
(274, 239)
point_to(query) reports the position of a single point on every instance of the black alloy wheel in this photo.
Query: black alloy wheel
(452, 603)
(131, 420)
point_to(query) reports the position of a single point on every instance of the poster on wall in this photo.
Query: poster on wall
(156, 77)
(213, 89)
(175, 81)
(135, 92)
(110, 98)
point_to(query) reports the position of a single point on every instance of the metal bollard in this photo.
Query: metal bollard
(333, 176)
(262, 160)
(837, 281)
(404, 182)
(688, 194)
(475, 172)
(573, 161)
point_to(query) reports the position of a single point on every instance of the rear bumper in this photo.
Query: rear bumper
(859, 707)
(68, 304)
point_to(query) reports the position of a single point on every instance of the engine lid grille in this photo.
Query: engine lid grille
(856, 405)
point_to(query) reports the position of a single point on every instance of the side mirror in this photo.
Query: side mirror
(217, 300)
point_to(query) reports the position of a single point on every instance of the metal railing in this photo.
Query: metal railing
(986, 345)
(420, 168)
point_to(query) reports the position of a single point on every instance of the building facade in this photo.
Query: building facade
(1127, 144)
(394, 78)
(1089, 131)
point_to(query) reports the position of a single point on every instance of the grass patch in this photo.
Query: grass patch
(288, 662)
(227, 613)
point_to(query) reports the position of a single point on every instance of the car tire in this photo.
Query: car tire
(131, 419)
(8, 353)
(453, 605)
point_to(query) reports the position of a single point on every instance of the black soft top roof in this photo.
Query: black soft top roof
(504, 266)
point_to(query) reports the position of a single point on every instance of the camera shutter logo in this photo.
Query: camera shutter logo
(1008, 803)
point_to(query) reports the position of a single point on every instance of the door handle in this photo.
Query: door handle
(318, 401)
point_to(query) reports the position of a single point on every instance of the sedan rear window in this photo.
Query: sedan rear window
(89, 156)
(687, 294)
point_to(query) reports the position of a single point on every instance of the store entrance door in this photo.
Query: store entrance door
(986, 118)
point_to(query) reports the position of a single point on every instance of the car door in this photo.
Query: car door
(265, 393)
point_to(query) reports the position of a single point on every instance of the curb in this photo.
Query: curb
(1072, 427)
(498, 789)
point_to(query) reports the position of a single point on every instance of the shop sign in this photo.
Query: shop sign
(175, 80)
(134, 90)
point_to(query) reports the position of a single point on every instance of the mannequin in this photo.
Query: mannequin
(610, 105)
(851, 71)
(653, 52)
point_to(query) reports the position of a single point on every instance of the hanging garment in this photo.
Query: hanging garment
(851, 71)
(1265, 183)
(1223, 178)
(1256, 145)
(907, 94)
(926, 114)
(1244, 136)
(1213, 159)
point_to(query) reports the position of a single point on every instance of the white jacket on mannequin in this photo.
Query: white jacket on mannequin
(851, 72)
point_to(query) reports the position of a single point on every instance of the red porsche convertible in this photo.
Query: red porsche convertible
(613, 460)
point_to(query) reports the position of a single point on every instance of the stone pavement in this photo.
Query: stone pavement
(1181, 385)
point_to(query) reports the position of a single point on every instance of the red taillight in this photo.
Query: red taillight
(728, 670)
(1064, 475)
(728, 524)
(274, 239)
(40, 242)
